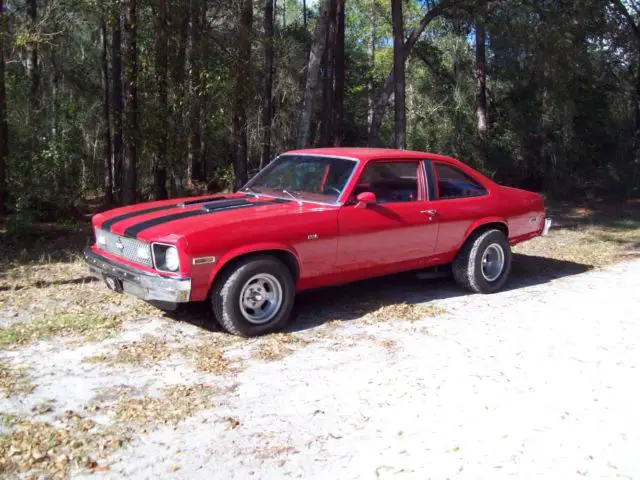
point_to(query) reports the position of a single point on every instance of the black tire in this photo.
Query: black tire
(225, 298)
(468, 265)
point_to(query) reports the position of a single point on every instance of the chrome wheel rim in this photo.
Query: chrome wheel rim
(492, 262)
(260, 298)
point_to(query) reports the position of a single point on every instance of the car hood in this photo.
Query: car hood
(154, 220)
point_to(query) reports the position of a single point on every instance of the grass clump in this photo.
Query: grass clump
(91, 326)
(14, 381)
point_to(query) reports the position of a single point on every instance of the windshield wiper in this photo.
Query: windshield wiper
(295, 198)
(251, 192)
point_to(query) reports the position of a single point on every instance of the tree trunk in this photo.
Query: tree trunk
(195, 132)
(4, 128)
(372, 64)
(339, 69)
(304, 13)
(204, 95)
(131, 105)
(637, 105)
(106, 109)
(636, 33)
(177, 160)
(118, 103)
(33, 70)
(267, 96)
(399, 73)
(159, 159)
(315, 57)
(481, 87)
(242, 93)
(326, 131)
(384, 95)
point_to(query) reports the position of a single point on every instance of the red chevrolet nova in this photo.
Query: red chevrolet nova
(314, 218)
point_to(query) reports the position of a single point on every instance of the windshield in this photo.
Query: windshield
(312, 178)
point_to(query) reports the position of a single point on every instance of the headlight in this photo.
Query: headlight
(166, 257)
(172, 262)
(101, 239)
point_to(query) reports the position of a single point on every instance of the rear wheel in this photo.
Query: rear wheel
(484, 262)
(254, 296)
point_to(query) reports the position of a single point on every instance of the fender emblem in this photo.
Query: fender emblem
(313, 236)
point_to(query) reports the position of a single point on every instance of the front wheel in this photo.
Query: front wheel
(254, 296)
(484, 262)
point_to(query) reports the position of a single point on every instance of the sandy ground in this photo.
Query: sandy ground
(540, 380)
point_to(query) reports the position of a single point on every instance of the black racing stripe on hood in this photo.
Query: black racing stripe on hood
(107, 224)
(134, 230)
(202, 200)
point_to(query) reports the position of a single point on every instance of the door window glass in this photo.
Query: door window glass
(390, 181)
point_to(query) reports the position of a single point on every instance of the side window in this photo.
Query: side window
(452, 183)
(390, 181)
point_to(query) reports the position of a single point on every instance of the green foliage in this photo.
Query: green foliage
(561, 84)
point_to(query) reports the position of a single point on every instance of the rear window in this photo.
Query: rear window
(453, 183)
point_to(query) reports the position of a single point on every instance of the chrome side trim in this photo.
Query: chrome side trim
(145, 285)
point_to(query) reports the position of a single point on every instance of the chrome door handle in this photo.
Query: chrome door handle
(429, 212)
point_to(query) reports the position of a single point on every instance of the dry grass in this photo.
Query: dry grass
(276, 346)
(46, 450)
(14, 381)
(590, 245)
(410, 312)
(89, 326)
(210, 357)
(595, 235)
(177, 403)
(147, 351)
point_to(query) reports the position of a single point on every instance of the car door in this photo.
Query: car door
(395, 233)
(460, 199)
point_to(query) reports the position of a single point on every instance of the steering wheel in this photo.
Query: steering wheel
(329, 187)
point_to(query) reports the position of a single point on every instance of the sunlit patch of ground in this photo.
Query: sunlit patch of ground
(84, 371)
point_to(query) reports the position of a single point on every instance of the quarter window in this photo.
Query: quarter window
(390, 181)
(452, 183)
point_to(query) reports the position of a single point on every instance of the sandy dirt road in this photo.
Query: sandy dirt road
(540, 381)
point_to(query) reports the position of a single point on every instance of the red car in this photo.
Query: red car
(314, 218)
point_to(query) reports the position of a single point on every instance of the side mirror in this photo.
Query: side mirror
(365, 199)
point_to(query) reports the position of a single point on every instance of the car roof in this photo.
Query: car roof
(367, 154)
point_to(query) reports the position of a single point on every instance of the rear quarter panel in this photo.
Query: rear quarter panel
(524, 211)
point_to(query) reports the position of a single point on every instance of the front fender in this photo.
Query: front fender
(249, 249)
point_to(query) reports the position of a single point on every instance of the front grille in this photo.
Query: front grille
(129, 250)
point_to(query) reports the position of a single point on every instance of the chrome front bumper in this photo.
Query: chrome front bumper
(144, 285)
(547, 227)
